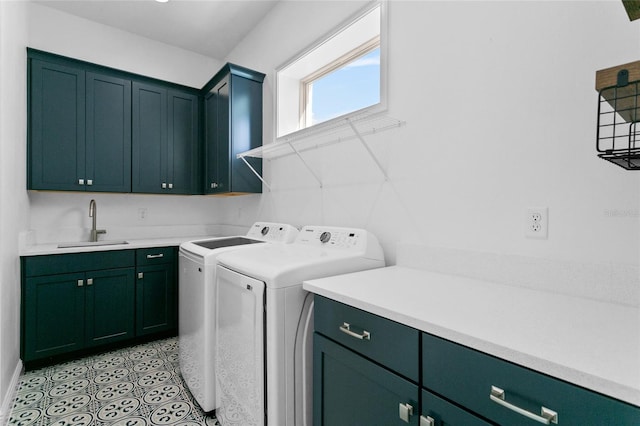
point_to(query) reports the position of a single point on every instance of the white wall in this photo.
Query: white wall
(68, 35)
(13, 196)
(500, 107)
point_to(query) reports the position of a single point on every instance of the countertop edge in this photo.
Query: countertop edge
(49, 249)
(576, 377)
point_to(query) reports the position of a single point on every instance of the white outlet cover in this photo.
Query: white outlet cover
(536, 223)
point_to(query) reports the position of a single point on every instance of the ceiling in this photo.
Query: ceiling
(209, 27)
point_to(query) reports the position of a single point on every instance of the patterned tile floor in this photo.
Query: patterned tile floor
(135, 386)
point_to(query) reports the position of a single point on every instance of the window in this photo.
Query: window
(347, 84)
(340, 75)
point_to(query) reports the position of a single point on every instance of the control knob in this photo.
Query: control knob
(325, 237)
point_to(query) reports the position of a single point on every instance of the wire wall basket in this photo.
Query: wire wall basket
(618, 133)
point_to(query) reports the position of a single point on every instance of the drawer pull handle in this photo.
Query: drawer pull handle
(405, 411)
(427, 421)
(346, 328)
(155, 256)
(546, 416)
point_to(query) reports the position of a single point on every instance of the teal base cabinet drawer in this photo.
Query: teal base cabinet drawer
(350, 390)
(389, 343)
(509, 394)
(155, 256)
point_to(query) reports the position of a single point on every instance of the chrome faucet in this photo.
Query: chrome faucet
(93, 212)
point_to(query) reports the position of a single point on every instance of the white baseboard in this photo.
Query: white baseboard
(7, 403)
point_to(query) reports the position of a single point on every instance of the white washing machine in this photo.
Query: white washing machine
(264, 322)
(196, 322)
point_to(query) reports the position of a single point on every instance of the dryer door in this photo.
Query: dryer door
(240, 349)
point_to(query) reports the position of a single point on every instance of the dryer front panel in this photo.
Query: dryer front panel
(240, 349)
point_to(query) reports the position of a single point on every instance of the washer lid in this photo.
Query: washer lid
(285, 265)
(260, 232)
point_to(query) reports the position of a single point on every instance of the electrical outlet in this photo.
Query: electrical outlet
(536, 222)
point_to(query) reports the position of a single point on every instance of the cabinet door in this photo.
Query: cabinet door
(53, 315)
(108, 136)
(109, 301)
(57, 127)
(351, 390)
(439, 412)
(217, 138)
(182, 161)
(246, 134)
(149, 134)
(156, 300)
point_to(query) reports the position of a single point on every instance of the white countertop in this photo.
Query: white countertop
(586, 342)
(52, 248)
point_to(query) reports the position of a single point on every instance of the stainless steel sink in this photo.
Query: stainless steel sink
(91, 244)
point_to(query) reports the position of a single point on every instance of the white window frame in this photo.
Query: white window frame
(306, 83)
(292, 111)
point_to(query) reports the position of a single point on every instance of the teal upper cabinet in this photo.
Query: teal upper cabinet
(57, 127)
(149, 137)
(94, 128)
(79, 129)
(233, 124)
(165, 140)
(108, 133)
(183, 137)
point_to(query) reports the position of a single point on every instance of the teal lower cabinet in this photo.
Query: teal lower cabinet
(509, 394)
(73, 303)
(53, 315)
(156, 291)
(68, 312)
(357, 380)
(351, 390)
(109, 302)
(365, 368)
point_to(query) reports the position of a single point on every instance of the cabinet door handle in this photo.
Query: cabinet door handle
(164, 185)
(140, 275)
(80, 283)
(80, 181)
(170, 186)
(546, 416)
(89, 281)
(89, 182)
(155, 256)
(405, 411)
(346, 328)
(214, 185)
(427, 421)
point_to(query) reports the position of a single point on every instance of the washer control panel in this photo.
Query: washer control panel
(332, 237)
(274, 232)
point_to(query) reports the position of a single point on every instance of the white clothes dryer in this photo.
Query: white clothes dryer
(264, 322)
(196, 313)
